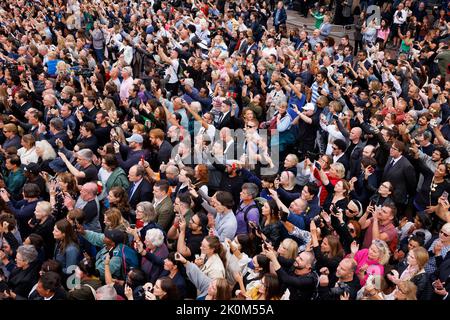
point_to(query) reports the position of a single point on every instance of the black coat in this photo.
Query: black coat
(22, 281)
(402, 177)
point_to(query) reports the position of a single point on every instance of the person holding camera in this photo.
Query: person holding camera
(346, 286)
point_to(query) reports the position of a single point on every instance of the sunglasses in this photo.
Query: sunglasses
(444, 234)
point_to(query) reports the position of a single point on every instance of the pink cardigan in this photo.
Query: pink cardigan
(375, 268)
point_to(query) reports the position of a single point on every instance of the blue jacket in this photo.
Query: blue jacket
(23, 211)
(282, 18)
(69, 257)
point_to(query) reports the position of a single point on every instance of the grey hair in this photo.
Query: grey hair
(46, 206)
(86, 154)
(28, 253)
(173, 169)
(48, 153)
(57, 123)
(106, 292)
(148, 209)
(155, 236)
(251, 188)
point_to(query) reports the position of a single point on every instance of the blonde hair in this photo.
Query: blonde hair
(339, 168)
(45, 206)
(291, 248)
(422, 256)
(410, 288)
(384, 251)
(10, 127)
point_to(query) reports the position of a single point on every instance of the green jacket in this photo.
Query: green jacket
(14, 181)
(165, 213)
(115, 263)
(117, 179)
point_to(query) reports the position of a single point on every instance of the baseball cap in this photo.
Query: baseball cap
(309, 107)
(135, 138)
(32, 168)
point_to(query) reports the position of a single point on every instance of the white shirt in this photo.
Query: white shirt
(395, 160)
(172, 70)
(336, 158)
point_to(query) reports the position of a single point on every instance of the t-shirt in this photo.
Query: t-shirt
(193, 242)
(389, 229)
(90, 175)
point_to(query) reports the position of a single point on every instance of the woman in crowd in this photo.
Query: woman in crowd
(415, 272)
(42, 224)
(155, 250)
(46, 154)
(370, 261)
(25, 272)
(118, 199)
(28, 153)
(67, 251)
(65, 184)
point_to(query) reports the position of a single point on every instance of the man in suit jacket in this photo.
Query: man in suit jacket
(339, 146)
(225, 118)
(140, 189)
(164, 148)
(401, 174)
(56, 132)
(163, 204)
(279, 16)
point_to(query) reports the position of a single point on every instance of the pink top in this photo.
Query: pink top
(383, 34)
(374, 267)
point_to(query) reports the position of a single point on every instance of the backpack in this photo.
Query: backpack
(129, 259)
(258, 205)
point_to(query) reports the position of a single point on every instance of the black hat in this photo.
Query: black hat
(116, 236)
(32, 168)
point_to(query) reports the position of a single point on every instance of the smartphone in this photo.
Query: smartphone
(445, 195)
(317, 165)
(177, 256)
(133, 226)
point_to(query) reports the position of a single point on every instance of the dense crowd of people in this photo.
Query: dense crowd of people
(166, 150)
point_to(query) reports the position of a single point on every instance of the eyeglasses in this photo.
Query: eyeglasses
(385, 186)
(444, 234)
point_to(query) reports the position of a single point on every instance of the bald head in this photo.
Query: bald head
(88, 191)
(355, 134)
(368, 151)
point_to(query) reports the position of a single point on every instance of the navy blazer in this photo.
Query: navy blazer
(144, 192)
(283, 16)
